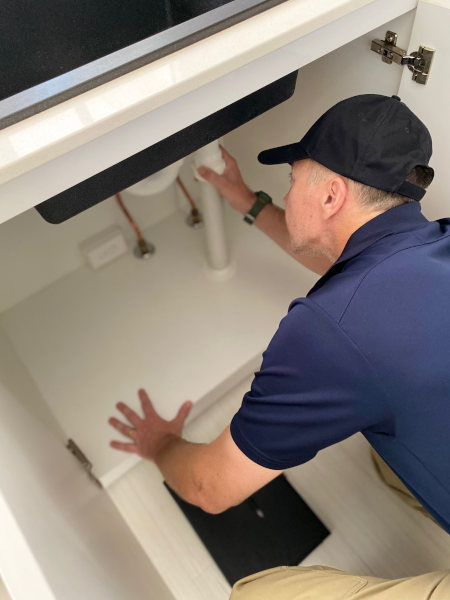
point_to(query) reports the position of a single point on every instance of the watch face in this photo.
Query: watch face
(262, 200)
(263, 197)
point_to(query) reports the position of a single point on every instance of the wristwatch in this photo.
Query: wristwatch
(262, 200)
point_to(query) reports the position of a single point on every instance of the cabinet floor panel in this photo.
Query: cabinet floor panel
(372, 531)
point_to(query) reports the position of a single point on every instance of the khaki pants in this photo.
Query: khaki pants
(397, 486)
(324, 583)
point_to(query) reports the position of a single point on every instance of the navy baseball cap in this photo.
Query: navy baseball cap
(376, 140)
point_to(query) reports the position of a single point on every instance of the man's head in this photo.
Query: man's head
(324, 208)
(365, 155)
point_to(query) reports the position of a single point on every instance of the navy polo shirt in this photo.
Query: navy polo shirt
(367, 350)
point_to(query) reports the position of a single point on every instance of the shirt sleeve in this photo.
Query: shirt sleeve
(314, 389)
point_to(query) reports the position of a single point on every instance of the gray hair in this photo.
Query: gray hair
(370, 197)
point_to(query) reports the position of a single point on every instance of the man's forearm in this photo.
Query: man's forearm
(178, 460)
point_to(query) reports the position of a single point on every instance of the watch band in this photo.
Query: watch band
(262, 200)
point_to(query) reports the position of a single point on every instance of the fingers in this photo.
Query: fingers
(220, 182)
(227, 156)
(183, 413)
(129, 414)
(124, 447)
(146, 403)
(209, 175)
(122, 427)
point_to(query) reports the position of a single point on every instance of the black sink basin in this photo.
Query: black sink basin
(52, 50)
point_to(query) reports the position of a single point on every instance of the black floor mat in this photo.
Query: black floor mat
(271, 528)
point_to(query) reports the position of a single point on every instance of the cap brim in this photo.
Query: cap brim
(282, 154)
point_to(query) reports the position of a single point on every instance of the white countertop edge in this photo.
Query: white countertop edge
(47, 135)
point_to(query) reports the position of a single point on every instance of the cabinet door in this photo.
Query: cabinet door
(431, 102)
(61, 536)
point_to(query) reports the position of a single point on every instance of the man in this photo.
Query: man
(367, 350)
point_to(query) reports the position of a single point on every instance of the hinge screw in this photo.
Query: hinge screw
(391, 37)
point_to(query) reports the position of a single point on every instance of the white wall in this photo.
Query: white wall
(34, 253)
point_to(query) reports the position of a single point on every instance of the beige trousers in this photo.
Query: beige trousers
(397, 486)
(324, 583)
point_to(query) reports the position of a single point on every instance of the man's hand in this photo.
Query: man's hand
(151, 433)
(213, 476)
(230, 184)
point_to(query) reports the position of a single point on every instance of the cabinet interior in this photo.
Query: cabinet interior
(73, 341)
(88, 339)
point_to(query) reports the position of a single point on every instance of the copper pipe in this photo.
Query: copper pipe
(130, 218)
(186, 193)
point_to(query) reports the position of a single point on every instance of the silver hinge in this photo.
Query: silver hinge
(87, 465)
(418, 62)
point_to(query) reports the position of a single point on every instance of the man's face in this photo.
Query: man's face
(302, 210)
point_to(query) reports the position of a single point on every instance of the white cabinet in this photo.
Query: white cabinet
(73, 347)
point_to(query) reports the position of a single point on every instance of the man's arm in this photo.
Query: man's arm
(270, 220)
(213, 476)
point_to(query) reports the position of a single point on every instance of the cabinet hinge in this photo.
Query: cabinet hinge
(418, 62)
(86, 464)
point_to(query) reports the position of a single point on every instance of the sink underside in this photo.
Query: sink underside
(103, 185)
(54, 50)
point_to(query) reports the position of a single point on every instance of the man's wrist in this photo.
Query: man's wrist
(262, 199)
(164, 446)
(250, 200)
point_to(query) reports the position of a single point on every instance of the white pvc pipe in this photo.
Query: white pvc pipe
(216, 242)
(212, 208)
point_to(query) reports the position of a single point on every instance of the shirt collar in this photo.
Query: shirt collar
(395, 220)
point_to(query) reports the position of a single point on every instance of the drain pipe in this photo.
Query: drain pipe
(212, 209)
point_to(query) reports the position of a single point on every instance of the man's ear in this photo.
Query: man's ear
(335, 196)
